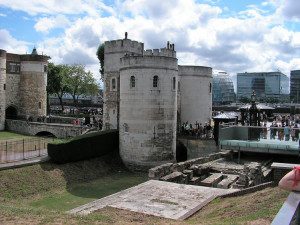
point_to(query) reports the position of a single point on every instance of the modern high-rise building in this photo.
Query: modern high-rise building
(222, 89)
(295, 86)
(267, 85)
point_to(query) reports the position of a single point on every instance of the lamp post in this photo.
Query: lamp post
(254, 118)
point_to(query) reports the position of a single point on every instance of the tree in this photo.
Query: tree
(81, 82)
(100, 55)
(57, 81)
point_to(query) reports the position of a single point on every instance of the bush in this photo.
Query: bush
(85, 147)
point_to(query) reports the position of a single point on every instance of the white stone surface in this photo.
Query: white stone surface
(195, 96)
(148, 114)
(158, 198)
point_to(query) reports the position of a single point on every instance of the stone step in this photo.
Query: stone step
(173, 177)
(212, 180)
(226, 182)
(195, 181)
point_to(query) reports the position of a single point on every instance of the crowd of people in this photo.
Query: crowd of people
(282, 128)
(197, 130)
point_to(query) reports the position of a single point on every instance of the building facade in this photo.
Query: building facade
(222, 89)
(142, 99)
(295, 86)
(267, 85)
(23, 82)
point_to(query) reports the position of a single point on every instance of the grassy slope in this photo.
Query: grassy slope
(6, 135)
(40, 194)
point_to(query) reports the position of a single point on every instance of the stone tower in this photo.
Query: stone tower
(195, 94)
(113, 52)
(2, 88)
(33, 83)
(148, 102)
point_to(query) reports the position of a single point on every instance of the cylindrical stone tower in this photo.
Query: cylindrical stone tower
(113, 52)
(33, 83)
(148, 100)
(2, 88)
(196, 94)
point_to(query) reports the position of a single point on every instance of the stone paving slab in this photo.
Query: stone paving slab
(158, 198)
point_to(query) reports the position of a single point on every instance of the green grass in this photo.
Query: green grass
(79, 194)
(6, 135)
(41, 194)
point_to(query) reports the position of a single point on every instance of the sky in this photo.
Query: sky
(230, 35)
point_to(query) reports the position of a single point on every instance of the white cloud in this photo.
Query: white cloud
(291, 9)
(53, 7)
(10, 44)
(3, 15)
(253, 40)
(46, 24)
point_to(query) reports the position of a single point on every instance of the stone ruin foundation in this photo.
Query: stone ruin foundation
(216, 170)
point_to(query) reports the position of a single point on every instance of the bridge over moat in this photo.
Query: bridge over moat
(38, 128)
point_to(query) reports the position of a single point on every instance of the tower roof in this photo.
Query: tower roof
(34, 52)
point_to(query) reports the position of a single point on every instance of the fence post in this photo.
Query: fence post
(23, 149)
(6, 151)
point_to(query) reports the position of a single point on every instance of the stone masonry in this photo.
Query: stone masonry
(23, 82)
(141, 92)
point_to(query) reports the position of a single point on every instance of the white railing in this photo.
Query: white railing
(286, 214)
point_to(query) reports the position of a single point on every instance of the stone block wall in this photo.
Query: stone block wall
(2, 88)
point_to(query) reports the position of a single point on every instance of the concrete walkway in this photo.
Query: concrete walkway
(158, 198)
(26, 162)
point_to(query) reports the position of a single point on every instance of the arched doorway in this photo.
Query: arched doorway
(11, 112)
(45, 134)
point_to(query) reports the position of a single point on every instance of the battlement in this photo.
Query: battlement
(194, 71)
(123, 45)
(160, 52)
(149, 61)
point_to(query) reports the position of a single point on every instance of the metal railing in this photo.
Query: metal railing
(12, 151)
(289, 212)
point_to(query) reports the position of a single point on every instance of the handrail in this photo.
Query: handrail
(288, 209)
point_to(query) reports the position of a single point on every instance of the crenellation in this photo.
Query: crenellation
(144, 105)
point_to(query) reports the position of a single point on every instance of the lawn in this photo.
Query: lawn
(82, 193)
(6, 135)
(41, 194)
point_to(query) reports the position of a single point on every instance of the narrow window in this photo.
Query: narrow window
(132, 82)
(174, 83)
(209, 87)
(4, 87)
(40, 105)
(178, 86)
(155, 81)
(45, 69)
(113, 84)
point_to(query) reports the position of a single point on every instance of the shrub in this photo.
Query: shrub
(85, 146)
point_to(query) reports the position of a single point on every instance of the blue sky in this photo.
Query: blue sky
(230, 35)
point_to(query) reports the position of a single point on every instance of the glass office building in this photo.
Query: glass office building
(295, 86)
(222, 89)
(267, 85)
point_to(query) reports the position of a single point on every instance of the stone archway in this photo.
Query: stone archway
(45, 134)
(11, 112)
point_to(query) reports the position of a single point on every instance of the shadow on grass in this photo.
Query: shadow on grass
(86, 181)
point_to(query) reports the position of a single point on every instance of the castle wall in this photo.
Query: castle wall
(148, 114)
(113, 52)
(2, 89)
(195, 93)
(33, 82)
(12, 90)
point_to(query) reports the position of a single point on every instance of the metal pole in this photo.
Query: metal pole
(6, 151)
(23, 149)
